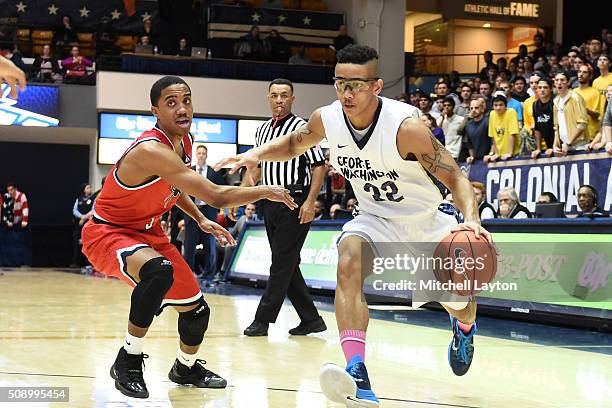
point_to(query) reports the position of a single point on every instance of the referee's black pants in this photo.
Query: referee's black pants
(286, 236)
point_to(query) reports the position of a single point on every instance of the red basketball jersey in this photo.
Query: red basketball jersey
(139, 207)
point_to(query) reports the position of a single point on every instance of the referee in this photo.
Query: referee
(286, 229)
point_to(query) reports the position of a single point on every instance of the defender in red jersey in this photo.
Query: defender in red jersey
(125, 238)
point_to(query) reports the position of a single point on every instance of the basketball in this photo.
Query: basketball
(465, 263)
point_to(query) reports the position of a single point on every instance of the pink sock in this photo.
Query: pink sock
(465, 328)
(353, 343)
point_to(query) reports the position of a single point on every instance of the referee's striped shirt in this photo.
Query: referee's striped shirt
(294, 171)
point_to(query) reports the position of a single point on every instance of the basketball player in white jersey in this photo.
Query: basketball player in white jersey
(382, 147)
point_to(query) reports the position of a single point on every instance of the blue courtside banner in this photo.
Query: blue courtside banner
(560, 176)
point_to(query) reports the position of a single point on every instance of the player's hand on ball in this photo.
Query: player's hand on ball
(307, 212)
(476, 227)
(250, 160)
(280, 195)
(221, 234)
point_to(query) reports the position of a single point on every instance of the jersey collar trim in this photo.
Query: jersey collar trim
(364, 140)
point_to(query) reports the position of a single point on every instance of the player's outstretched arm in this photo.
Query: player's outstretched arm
(158, 159)
(280, 149)
(12, 75)
(414, 138)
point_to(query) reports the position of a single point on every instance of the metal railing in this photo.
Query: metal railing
(427, 64)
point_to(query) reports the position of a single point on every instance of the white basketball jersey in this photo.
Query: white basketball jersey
(384, 183)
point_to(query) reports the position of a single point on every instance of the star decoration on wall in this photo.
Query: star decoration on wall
(282, 18)
(53, 9)
(255, 17)
(306, 20)
(115, 14)
(84, 12)
(21, 8)
(145, 16)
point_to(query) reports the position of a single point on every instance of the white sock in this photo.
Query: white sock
(133, 344)
(186, 359)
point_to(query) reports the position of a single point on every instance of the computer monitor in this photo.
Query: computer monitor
(198, 52)
(143, 49)
(549, 210)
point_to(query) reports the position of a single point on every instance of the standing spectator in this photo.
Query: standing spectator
(299, 58)
(20, 212)
(488, 60)
(463, 109)
(485, 210)
(595, 103)
(512, 103)
(543, 119)
(250, 46)
(504, 130)
(106, 39)
(277, 47)
(529, 121)
(452, 125)
(76, 64)
(444, 89)
(486, 90)
(477, 132)
(604, 80)
(540, 48)
(149, 31)
(519, 89)
(45, 67)
(286, 229)
(607, 124)
(193, 234)
(8, 29)
(588, 203)
(15, 217)
(425, 105)
(594, 51)
(183, 50)
(65, 36)
(81, 213)
(570, 116)
(342, 39)
(431, 123)
(509, 205)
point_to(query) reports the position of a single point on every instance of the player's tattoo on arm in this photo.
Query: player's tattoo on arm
(302, 132)
(435, 161)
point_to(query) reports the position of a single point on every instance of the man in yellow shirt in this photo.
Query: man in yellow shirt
(594, 101)
(529, 121)
(504, 130)
(602, 82)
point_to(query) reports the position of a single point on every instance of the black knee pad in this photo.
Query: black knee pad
(193, 324)
(156, 278)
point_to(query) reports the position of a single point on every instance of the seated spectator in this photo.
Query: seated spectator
(106, 39)
(147, 29)
(12, 53)
(351, 204)
(81, 213)
(543, 119)
(184, 50)
(485, 210)
(431, 123)
(570, 113)
(476, 132)
(588, 203)
(250, 46)
(65, 35)
(250, 215)
(452, 125)
(76, 64)
(45, 67)
(319, 209)
(277, 47)
(509, 206)
(343, 39)
(299, 58)
(504, 130)
(332, 210)
(546, 198)
(143, 41)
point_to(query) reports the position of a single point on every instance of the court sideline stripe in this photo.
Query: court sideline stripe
(268, 388)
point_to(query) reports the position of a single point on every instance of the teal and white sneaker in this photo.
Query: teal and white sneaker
(350, 386)
(461, 348)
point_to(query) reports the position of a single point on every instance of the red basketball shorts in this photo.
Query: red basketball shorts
(107, 248)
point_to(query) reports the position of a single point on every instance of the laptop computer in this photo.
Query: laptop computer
(143, 49)
(549, 210)
(198, 52)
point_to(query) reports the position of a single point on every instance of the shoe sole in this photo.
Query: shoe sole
(309, 332)
(338, 386)
(180, 381)
(123, 390)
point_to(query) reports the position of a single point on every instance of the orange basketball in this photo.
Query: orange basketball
(465, 262)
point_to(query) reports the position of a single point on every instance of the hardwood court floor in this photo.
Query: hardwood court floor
(61, 329)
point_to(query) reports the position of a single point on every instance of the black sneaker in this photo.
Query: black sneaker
(461, 348)
(197, 375)
(314, 326)
(256, 328)
(127, 373)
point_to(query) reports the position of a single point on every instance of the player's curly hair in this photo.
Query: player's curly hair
(356, 54)
(162, 84)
